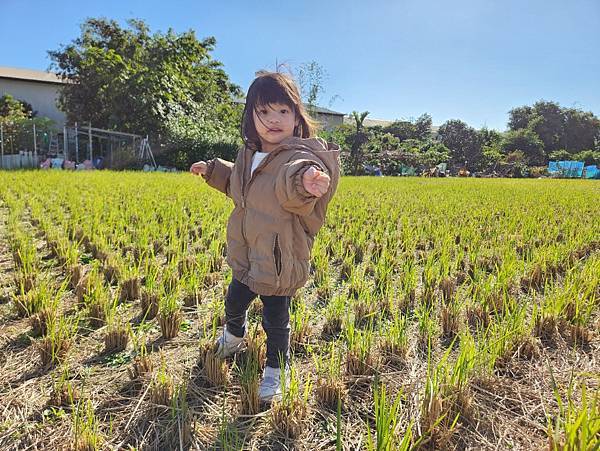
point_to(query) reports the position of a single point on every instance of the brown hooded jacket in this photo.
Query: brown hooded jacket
(272, 228)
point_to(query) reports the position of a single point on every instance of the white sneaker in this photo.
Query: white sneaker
(228, 344)
(270, 386)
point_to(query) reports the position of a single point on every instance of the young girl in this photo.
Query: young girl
(281, 183)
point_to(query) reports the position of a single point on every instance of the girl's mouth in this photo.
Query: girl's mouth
(274, 130)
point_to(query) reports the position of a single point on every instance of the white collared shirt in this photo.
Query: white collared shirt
(256, 159)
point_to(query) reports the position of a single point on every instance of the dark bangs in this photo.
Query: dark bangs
(268, 91)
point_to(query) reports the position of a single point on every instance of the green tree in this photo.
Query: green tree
(382, 142)
(423, 127)
(11, 108)
(548, 123)
(135, 81)
(516, 163)
(558, 128)
(379, 150)
(581, 130)
(560, 155)
(343, 135)
(491, 155)
(589, 157)
(432, 153)
(526, 141)
(520, 117)
(419, 128)
(17, 119)
(489, 137)
(400, 129)
(360, 139)
(491, 152)
(463, 142)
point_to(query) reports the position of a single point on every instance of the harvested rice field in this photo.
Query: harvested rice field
(441, 313)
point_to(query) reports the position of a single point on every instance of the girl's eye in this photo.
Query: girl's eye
(284, 111)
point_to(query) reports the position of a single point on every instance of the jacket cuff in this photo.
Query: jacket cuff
(299, 185)
(209, 169)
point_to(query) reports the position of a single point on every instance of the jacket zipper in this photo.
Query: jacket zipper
(244, 198)
(246, 188)
(277, 256)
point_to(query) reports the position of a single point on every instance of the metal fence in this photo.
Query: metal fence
(19, 161)
(21, 141)
(28, 142)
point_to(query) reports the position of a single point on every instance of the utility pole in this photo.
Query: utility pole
(90, 140)
(1, 146)
(76, 144)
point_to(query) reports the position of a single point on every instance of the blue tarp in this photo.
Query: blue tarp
(375, 170)
(591, 172)
(566, 168)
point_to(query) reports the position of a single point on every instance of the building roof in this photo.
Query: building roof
(322, 110)
(368, 122)
(382, 122)
(30, 75)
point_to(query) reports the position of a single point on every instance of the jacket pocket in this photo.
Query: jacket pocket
(277, 255)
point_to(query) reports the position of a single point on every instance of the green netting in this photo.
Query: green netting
(407, 170)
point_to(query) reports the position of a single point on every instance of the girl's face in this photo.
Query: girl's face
(274, 122)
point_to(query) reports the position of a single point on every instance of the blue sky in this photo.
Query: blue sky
(463, 59)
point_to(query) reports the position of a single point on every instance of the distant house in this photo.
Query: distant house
(329, 119)
(368, 122)
(349, 120)
(40, 89)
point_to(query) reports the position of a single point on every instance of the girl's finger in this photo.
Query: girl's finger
(323, 183)
(318, 190)
(322, 177)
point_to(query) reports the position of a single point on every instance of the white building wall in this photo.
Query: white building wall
(41, 96)
(329, 121)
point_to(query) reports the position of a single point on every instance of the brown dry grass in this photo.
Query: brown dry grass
(506, 410)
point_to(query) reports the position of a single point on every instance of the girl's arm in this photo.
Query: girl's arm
(218, 172)
(289, 187)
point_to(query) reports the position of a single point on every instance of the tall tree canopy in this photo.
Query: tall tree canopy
(558, 128)
(132, 80)
(462, 140)
(419, 128)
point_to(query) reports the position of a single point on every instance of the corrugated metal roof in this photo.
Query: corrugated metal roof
(322, 110)
(368, 122)
(382, 122)
(30, 75)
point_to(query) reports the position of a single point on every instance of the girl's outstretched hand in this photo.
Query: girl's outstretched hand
(198, 168)
(315, 182)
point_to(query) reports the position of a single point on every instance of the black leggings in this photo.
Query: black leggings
(276, 319)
